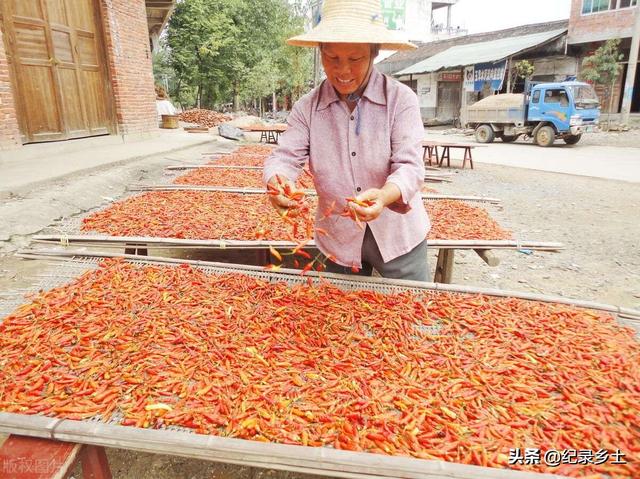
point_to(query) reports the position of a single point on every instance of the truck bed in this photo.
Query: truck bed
(507, 108)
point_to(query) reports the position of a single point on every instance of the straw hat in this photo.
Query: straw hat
(352, 21)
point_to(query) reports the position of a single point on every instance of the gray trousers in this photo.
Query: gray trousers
(412, 265)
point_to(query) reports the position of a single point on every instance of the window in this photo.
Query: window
(583, 93)
(556, 95)
(595, 6)
(584, 97)
(536, 96)
(413, 84)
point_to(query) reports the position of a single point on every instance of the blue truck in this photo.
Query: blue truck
(546, 112)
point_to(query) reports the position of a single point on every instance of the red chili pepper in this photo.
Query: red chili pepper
(303, 253)
(275, 253)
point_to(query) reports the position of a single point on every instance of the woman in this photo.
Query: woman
(361, 134)
(163, 104)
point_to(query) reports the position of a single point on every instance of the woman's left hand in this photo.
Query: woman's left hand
(370, 213)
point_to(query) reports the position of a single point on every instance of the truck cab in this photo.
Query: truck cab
(546, 112)
(570, 108)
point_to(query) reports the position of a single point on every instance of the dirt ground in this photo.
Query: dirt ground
(597, 221)
(629, 138)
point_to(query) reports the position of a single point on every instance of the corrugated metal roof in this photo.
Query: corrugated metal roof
(482, 52)
(405, 58)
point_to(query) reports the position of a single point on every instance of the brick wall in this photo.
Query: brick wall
(599, 26)
(9, 132)
(129, 58)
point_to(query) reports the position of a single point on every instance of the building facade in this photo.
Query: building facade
(437, 69)
(591, 24)
(451, 74)
(415, 18)
(74, 69)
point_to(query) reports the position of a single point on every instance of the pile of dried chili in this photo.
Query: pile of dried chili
(247, 156)
(239, 178)
(193, 215)
(232, 177)
(455, 377)
(218, 215)
(238, 159)
(250, 155)
(453, 219)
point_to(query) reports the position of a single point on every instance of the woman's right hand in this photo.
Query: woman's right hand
(280, 202)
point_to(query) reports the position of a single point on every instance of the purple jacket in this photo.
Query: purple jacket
(350, 152)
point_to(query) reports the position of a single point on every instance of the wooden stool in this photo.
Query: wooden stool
(23, 457)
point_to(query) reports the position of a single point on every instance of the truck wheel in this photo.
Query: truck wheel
(572, 139)
(509, 139)
(545, 136)
(484, 134)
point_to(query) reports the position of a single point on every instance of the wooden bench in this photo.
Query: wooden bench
(268, 134)
(431, 146)
(23, 457)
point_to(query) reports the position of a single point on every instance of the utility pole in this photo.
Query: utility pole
(315, 19)
(631, 70)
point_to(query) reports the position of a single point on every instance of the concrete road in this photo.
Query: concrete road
(38, 164)
(609, 162)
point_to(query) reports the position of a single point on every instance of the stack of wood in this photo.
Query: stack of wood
(208, 118)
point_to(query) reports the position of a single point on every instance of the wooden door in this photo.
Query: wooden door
(448, 101)
(58, 68)
(89, 65)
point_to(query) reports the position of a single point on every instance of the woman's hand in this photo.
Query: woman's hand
(379, 199)
(375, 197)
(279, 201)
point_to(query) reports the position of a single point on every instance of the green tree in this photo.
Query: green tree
(199, 38)
(222, 50)
(602, 68)
(162, 71)
(262, 81)
(294, 63)
(522, 69)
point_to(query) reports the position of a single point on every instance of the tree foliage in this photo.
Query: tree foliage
(603, 67)
(230, 50)
(521, 70)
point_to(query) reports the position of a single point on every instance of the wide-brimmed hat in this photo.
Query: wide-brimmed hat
(352, 21)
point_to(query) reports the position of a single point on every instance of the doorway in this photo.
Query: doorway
(58, 71)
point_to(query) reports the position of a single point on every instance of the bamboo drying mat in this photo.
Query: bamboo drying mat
(180, 441)
(69, 230)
